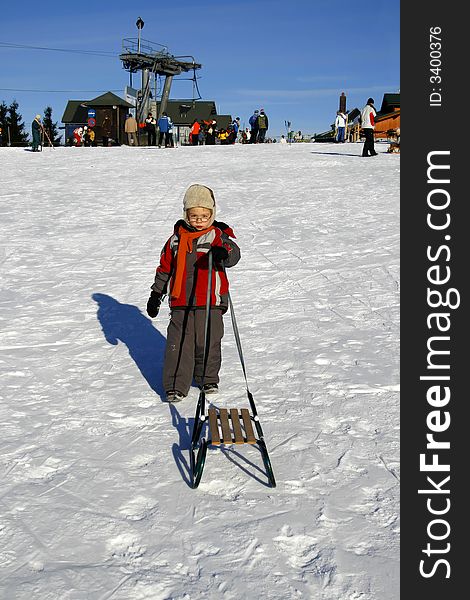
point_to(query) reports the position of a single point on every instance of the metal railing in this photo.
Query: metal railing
(134, 46)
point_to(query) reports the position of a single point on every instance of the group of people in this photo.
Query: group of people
(165, 129)
(259, 124)
(206, 132)
(201, 132)
(84, 136)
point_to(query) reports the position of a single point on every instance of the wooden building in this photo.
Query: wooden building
(108, 104)
(387, 122)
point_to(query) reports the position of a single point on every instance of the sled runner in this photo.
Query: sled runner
(225, 426)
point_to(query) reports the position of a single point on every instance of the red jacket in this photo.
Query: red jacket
(195, 274)
(195, 128)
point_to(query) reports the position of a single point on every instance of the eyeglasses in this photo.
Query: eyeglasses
(197, 218)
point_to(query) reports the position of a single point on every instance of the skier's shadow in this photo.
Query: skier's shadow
(125, 323)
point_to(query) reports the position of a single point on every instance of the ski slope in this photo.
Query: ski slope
(95, 495)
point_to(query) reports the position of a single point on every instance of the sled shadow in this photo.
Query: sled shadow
(338, 154)
(232, 455)
(185, 428)
(125, 323)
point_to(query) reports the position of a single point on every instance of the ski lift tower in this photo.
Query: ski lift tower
(150, 58)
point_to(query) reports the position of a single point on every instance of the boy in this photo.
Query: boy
(183, 273)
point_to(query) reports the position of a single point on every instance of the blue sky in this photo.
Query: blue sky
(291, 58)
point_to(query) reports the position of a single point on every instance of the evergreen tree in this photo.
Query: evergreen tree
(18, 135)
(3, 122)
(50, 127)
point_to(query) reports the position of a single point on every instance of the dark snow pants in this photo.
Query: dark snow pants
(151, 137)
(369, 143)
(261, 136)
(36, 140)
(184, 354)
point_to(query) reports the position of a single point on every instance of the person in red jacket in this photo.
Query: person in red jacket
(194, 133)
(183, 274)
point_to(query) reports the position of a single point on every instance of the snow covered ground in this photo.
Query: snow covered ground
(95, 496)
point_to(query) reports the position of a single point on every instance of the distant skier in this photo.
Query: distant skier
(253, 121)
(263, 125)
(36, 128)
(340, 126)
(171, 141)
(183, 275)
(163, 126)
(106, 130)
(368, 115)
(211, 132)
(235, 124)
(194, 133)
(130, 127)
(150, 127)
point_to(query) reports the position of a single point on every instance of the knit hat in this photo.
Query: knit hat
(199, 196)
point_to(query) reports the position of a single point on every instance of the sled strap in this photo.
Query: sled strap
(237, 338)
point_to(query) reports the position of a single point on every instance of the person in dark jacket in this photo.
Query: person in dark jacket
(263, 125)
(163, 126)
(106, 131)
(36, 128)
(150, 127)
(211, 132)
(183, 274)
(253, 121)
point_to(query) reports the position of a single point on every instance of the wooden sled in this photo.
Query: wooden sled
(226, 427)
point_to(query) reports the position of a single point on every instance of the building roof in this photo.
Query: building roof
(183, 112)
(76, 111)
(109, 99)
(389, 103)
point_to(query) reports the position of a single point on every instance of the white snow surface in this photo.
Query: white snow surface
(95, 496)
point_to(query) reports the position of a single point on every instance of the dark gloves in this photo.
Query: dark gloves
(153, 304)
(219, 253)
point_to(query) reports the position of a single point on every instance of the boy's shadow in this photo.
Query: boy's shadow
(125, 323)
